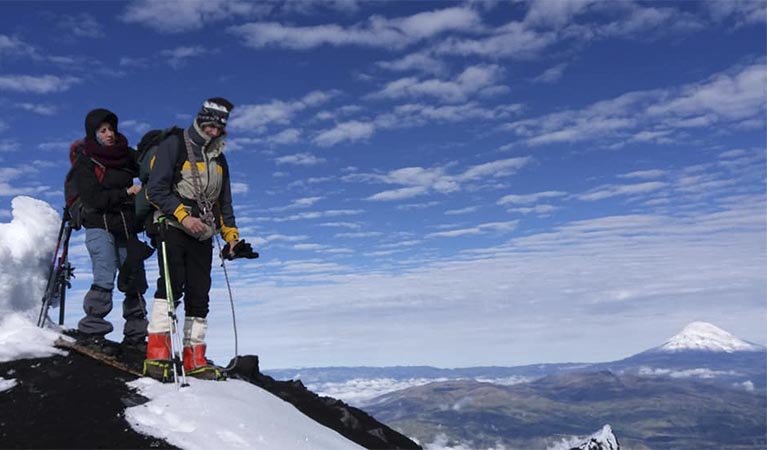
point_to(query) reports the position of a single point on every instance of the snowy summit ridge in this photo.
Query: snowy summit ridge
(703, 336)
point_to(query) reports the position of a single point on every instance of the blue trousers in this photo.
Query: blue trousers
(107, 255)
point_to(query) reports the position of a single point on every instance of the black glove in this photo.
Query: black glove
(241, 250)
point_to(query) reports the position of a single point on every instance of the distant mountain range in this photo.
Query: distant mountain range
(644, 412)
(703, 388)
(699, 351)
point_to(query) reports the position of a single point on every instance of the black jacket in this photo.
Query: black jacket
(107, 204)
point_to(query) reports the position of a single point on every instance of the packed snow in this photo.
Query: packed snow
(233, 414)
(27, 243)
(707, 337)
(20, 338)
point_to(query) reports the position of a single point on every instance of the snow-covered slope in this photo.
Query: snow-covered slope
(231, 415)
(703, 336)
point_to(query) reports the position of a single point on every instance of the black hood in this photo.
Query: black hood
(96, 118)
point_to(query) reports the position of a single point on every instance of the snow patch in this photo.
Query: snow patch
(26, 249)
(604, 438)
(6, 384)
(232, 414)
(707, 337)
(20, 338)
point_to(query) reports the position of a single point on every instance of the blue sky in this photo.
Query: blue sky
(442, 183)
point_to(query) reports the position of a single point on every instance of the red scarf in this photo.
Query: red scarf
(113, 156)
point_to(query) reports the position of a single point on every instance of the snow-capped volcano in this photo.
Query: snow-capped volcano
(703, 336)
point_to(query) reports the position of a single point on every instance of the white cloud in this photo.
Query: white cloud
(551, 22)
(654, 173)
(728, 96)
(297, 203)
(257, 117)
(9, 145)
(288, 136)
(312, 247)
(168, 17)
(9, 174)
(514, 40)
(526, 199)
(38, 108)
(419, 114)
(494, 169)
(347, 131)
(555, 13)
(310, 8)
(239, 188)
(541, 209)
(271, 238)
(127, 61)
(414, 115)
(733, 96)
(420, 62)
(43, 84)
(467, 210)
(358, 235)
(10, 45)
(179, 56)
(479, 229)
(377, 31)
(418, 177)
(552, 74)
(422, 205)
(54, 146)
(419, 181)
(472, 80)
(613, 190)
(742, 12)
(397, 194)
(319, 215)
(300, 159)
(135, 125)
(82, 25)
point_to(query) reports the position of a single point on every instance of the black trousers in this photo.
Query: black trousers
(189, 264)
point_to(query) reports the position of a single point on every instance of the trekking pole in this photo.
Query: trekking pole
(50, 287)
(230, 367)
(66, 272)
(175, 339)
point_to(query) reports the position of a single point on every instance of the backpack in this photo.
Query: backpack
(74, 206)
(146, 151)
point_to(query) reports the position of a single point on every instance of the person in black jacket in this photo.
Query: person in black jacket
(196, 199)
(104, 174)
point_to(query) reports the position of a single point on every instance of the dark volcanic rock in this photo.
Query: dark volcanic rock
(352, 423)
(68, 402)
